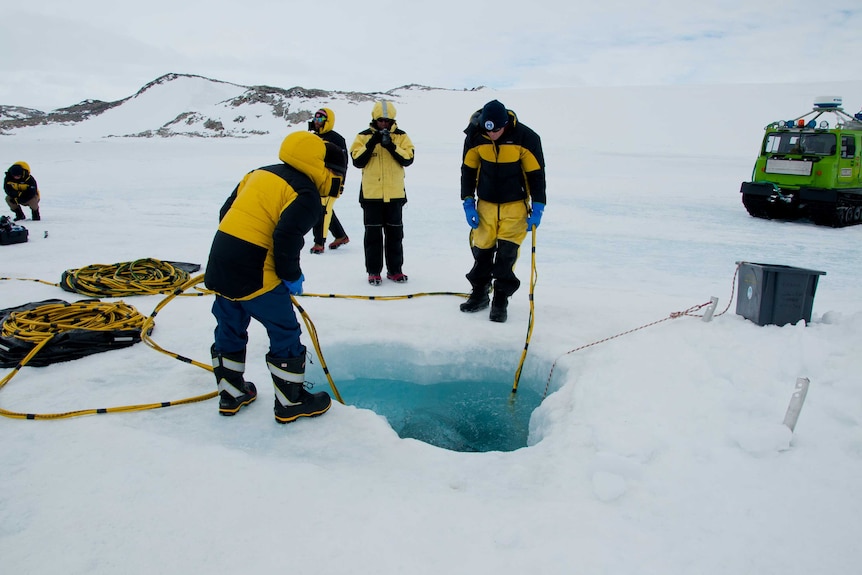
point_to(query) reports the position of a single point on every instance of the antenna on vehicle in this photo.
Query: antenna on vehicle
(828, 102)
(822, 105)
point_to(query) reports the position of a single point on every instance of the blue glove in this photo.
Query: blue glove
(294, 287)
(535, 217)
(471, 213)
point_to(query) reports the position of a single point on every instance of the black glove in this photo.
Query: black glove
(374, 139)
(385, 138)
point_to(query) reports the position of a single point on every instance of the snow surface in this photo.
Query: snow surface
(659, 451)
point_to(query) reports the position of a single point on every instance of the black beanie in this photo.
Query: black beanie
(494, 116)
(335, 159)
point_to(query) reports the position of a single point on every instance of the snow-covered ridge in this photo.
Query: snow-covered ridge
(186, 105)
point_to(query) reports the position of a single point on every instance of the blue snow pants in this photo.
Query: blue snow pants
(273, 309)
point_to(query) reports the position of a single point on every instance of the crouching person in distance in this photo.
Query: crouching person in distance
(254, 268)
(503, 165)
(21, 190)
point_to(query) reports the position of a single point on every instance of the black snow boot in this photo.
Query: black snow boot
(233, 391)
(499, 307)
(478, 299)
(19, 214)
(292, 401)
(36, 216)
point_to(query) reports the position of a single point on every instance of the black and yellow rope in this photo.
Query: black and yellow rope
(147, 276)
(32, 280)
(42, 324)
(191, 283)
(533, 278)
(149, 322)
(312, 333)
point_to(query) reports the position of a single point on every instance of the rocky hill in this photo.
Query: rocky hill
(187, 105)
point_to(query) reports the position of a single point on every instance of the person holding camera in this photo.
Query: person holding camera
(322, 124)
(382, 152)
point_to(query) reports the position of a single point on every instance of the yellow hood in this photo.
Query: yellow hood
(383, 109)
(329, 124)
(306, 152)
(26, 168)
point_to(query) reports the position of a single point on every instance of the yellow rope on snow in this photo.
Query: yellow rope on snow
(147, 276)
(533, 277)
(41, 324)
(312, 332)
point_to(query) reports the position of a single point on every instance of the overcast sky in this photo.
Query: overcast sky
(56, 53)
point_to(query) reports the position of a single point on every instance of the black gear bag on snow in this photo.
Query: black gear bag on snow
(64, 346)
(11, 233)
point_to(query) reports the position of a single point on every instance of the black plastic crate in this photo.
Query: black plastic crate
(775, 294)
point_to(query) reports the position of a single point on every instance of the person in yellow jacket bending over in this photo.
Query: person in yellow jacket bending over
(254, 269)
(382, 152)
(504, 167)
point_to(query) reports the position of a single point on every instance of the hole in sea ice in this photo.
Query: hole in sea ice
(456, 415)
(460, 407)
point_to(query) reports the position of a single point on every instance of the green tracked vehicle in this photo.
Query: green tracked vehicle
(809, 168)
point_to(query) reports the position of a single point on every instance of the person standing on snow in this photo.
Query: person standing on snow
(21, 190)
(322, 124)
(382, 152)
(503, 165)
(254, 269)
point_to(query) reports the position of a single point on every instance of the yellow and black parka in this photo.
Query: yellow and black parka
(328, 134)
(24, 189)
(262, 223)
(382, 167)
(508, 170)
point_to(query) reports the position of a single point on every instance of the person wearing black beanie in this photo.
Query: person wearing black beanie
(503, 193)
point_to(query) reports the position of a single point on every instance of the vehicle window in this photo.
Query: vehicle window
(780, 143)
(848, 146)
(818, 144)
(796, 143)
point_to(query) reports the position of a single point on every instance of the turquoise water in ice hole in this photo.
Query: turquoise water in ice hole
(473, 416)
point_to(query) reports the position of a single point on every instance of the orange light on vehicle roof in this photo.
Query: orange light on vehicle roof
(800, 123)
